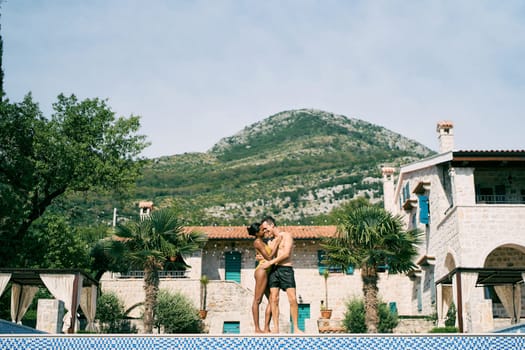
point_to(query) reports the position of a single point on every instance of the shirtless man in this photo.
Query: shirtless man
(282, 274)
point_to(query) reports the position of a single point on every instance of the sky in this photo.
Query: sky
(198, 71)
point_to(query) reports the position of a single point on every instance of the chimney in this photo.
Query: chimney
(145, 208)
(445, 129)
(388, 188)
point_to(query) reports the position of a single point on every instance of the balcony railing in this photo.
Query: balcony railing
(162, 274)
(500, 199)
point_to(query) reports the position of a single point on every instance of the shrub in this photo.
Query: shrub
(450, 321)
(110, 314)
(354, 320)
(444, 330)
(176, 313)
(387, 320)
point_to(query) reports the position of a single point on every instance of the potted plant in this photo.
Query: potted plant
(204, 293)
(326, 312)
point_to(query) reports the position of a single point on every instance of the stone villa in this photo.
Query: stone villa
(470, 206)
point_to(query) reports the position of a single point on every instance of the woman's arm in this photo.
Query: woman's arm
(274, 245)
(260, 249)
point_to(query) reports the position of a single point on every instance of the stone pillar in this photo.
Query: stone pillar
(463, 188)
(50, 313)
(479, 318)
(388, 188)
(195, 261)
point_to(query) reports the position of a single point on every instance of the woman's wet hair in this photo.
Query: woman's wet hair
(254, 228)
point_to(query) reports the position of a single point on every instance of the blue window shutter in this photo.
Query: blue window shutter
(406, 192)
(419, 299)
(393, 307)
(233, 266)
(320, 266)
(424, 212)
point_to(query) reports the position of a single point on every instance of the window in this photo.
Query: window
(231, 327)
(500, 193)
(414, 220)
(406, 192)
(424, 210)
(322, 267)
(382, 268)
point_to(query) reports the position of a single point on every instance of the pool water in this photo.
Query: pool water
(504, 341)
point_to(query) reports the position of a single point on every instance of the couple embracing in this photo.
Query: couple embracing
(274, 272)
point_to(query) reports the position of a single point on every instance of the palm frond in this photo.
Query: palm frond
(370, 236)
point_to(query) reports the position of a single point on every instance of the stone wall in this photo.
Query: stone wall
(50, 313)
(414, 325)
(230, 301)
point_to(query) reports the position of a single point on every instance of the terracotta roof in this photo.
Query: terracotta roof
(145, 204)
(240, 232)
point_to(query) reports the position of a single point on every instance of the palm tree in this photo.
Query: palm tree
(148, 243)
(367, 238)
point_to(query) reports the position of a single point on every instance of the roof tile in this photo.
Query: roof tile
(240, 232)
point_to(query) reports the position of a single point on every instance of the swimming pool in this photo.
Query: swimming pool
(517, 328)
(364, 342)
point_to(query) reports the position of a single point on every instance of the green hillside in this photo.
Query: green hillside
(294, 165)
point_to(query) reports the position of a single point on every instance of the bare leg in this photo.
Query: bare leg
(274, 302)
(294, 309)
(267, 312)
(261, 280)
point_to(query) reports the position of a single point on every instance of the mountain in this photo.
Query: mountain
(294, 165)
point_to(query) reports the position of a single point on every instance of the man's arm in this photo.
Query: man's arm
(285, 250)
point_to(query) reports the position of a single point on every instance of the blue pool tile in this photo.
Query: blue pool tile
(329, 342)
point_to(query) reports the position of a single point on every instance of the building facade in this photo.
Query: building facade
(470, 207)
(228, 260)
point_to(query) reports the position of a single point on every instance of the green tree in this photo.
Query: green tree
(367, 238)
(58, 243)
(147, 244)
(81, 147)
(108, 255)
(177, 314)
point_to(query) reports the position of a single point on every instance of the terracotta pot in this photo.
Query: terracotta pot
(326, 313)
(203, 314)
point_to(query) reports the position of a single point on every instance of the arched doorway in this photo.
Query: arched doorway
(507, 295)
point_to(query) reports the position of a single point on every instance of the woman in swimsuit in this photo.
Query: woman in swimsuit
(263, 253)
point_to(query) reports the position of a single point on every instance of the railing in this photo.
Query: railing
(162, 274)
(500, 199)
